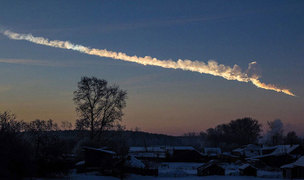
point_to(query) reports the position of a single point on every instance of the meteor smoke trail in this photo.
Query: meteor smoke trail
(212, 67)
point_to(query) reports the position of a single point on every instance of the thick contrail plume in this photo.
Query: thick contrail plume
(212, 67)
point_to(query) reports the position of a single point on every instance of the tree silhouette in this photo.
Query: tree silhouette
(99, 106)
(39, 133)
(292, 138)
(239, 132)
(9, 124)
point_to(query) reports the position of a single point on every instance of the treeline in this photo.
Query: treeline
(31, 149)
(233, 134)
(246, 131)
(42, 148)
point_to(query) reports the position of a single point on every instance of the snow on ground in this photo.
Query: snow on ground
(231, 169)
(93, 176)
(269, 174)
(175, 169)
(179, 171)
(137, 177)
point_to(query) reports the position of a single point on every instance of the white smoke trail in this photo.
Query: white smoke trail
(212, 67)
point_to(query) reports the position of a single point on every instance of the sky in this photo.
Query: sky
(38, 81)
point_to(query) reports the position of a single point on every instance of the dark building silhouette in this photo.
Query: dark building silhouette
(294, 170)
(210, 168)
(247, 170)
(276, 156)
(167, 153)
(98, 157)
(186, 154)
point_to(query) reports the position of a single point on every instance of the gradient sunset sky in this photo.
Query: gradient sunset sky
(38, 81)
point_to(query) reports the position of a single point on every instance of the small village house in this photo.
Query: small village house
(184, 154)
(276, 156)
(98, 157)
(167, 153)
(294, 170)
(155, 153)
(249, 150)
(247, 170)
(212, 151)
(211, 168)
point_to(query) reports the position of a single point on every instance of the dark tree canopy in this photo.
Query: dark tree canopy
(244, 131)
(292, 138)
(99, 105)
(239, 132)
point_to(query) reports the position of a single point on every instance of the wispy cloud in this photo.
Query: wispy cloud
(29, 62)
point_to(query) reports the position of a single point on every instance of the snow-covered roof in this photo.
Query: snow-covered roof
(240, 150)
(210, 163)
(180, 148)
(146, 149)
(212, 149)
(159, 148)
(281, 148)
(149, 155)
(253, 146)
(101, 150)
(278, 150)
(80, 163)
(249, 150)
(248, 147)
(285, 149)
(299, 162)
(244, 166)
(134, 162)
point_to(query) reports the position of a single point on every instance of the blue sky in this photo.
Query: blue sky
(230, 32)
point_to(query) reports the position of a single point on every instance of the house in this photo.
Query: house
(283, 149)
(133, 162)
(228, 157)
(276, 156)
(249, 150)
(167, 153)
(247, 170)
(136, 166)
(211, 151)
(184, 154)
(211, 168)
(294, 170)
(148, 153)
(98, 157)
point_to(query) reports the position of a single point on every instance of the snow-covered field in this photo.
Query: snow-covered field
(181, 171)
(137, 177)
(174, 169)
(169, 169)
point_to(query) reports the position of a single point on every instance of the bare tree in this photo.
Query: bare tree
(9, 124)
(66, 125)
(99, 106)
(39, 132)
